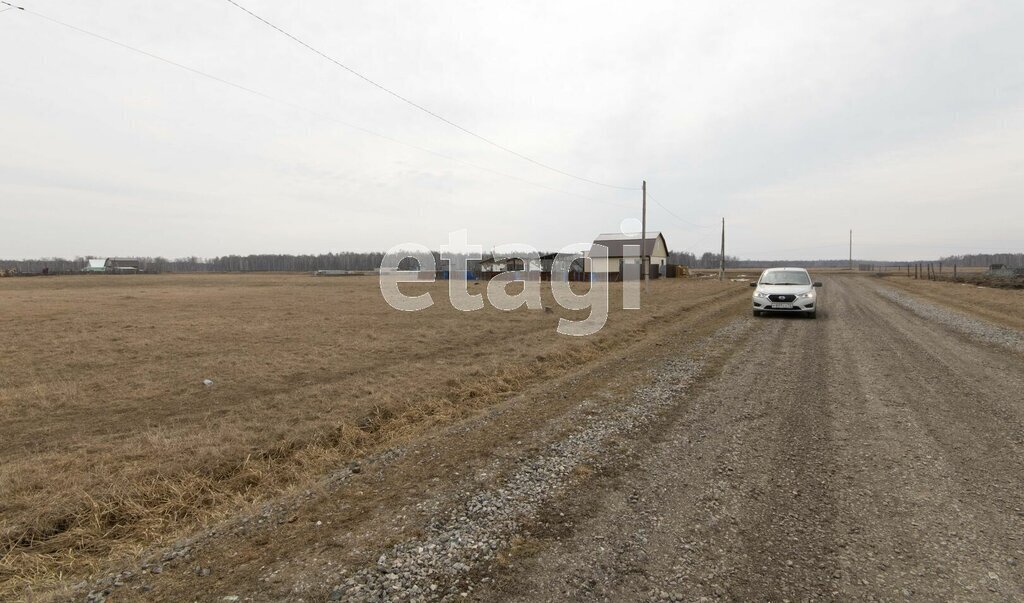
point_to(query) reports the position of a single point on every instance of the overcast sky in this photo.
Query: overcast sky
(796, 121)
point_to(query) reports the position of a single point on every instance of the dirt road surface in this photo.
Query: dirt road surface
(872, 454)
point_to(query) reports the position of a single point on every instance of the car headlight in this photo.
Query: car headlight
(760, 294)
(808, 295)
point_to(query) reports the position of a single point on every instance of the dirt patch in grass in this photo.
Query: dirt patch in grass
(112, 443)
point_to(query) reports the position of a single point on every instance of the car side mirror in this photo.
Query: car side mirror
(817, 284)
(753, 284)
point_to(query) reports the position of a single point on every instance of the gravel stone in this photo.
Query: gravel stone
(958, 321)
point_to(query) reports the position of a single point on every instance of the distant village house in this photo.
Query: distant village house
(534, 268)
(113, 266)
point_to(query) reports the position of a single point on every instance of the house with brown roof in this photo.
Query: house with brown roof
(626, 249)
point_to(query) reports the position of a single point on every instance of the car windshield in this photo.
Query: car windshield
(785, 277)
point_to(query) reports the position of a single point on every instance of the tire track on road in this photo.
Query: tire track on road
(933, 457)
(730, 504)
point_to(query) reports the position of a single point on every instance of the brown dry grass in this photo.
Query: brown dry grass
(111, 443)
(1003, 306)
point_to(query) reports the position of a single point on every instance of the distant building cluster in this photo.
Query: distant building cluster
(623, 250)
(113, 266)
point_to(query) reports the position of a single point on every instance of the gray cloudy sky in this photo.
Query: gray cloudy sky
(796, 121)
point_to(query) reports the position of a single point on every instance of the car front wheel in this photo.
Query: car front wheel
(757, 312)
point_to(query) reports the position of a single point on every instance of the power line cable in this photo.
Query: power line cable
(681, 220)
(694, 248)
(310, 111)
(10, 7)
(421, 107)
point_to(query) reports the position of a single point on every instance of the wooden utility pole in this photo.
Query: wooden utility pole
(851, 250)
(721, 259)
(643, 239)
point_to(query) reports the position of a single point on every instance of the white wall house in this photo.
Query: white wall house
(96, 265)
(654, 249)
(114, 265)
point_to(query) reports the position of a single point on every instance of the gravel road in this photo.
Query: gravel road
(958, 321)
(869, 455)
(872, 454)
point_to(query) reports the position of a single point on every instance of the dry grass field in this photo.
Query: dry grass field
(1003, 306)
(111, 442)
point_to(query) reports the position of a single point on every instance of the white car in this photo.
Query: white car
(786, 291)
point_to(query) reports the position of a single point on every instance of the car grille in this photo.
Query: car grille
(782, 298)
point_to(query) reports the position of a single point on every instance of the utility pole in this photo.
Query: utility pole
(643, 240)
(851, 250)
(721, 259)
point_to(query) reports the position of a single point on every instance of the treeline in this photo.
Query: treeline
(346, 260)
(811, 263)
(977, 260)
(350, 260)
(231, 263)
(711, 260)
(290, 263)
(705, 260)
(54, 265)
